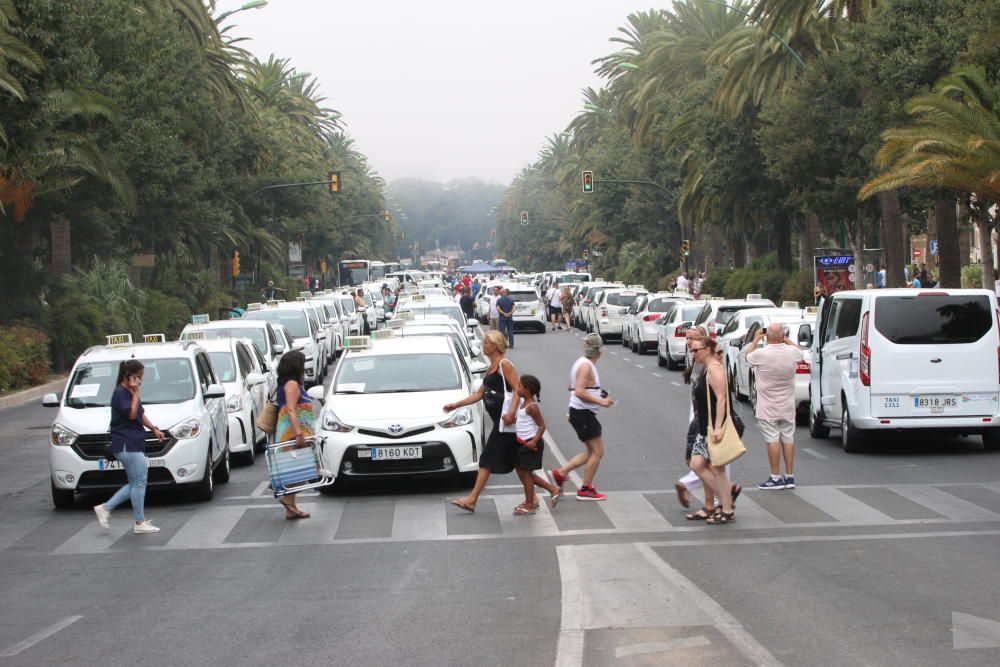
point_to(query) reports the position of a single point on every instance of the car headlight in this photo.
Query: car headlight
(189, 428)
(332, 423)
(234, 403)
(62, 436)
(461, 417)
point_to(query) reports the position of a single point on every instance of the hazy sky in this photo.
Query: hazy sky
(443, 89)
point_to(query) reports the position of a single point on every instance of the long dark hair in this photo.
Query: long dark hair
(532, 384)
(128, 368)
(292, 367)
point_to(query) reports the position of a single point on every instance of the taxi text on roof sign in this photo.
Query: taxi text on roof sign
(305, 295)
(119, 339)
(194, 335)
(253, 306)
(199, 319)
(357, 342)
(272, 303)
(154, 338)
(789, 304)
(382, 334)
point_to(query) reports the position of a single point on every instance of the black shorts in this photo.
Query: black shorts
(527, 459)
(554, 312)
(585, 423)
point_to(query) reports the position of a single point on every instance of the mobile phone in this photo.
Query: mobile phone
(604, 393)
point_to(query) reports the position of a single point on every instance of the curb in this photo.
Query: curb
(28, 395)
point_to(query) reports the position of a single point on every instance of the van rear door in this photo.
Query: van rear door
(934, 354)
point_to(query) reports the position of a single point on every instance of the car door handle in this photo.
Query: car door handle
(844, 355)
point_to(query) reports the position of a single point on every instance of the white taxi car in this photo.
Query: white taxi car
(671, 335)
(302, 324)
(382, 417)
(246, 392)
(742, 377)
(608, 311)
(262, 334)
(529, 311)
(731, 337)
(181, 395)
(642, 319)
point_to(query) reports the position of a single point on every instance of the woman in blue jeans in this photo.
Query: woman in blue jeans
(128, 445)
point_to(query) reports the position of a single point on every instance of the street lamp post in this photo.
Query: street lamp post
(785, 44)
(298, 75)
(253, 4)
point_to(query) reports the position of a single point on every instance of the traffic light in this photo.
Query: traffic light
(588, 182)
(686, 248)
(333, 181)
(236, 263)
(524, 217)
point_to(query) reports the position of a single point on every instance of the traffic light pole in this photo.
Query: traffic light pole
(651, 184)
(288, 185)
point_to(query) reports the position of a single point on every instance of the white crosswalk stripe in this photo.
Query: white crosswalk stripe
(426, 518)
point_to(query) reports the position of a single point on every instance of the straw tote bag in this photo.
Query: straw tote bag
(267, 420)
(730, 447)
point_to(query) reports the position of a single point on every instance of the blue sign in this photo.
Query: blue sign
(934, 246)
(834, 260)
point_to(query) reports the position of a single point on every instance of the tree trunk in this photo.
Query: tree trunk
(783, 240)
(986, 249)
(948, 247)
(894, 242)
(808, 239)
(737, 245)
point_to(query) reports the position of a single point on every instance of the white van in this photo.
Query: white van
(906, 359)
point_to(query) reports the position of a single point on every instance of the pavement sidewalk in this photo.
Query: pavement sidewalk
(27, 395)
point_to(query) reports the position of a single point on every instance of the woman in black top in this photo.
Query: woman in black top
(711, 386)
(128, 445)
(501, 446)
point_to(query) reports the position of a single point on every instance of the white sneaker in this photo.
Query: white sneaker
(103, 516)
(145, 527)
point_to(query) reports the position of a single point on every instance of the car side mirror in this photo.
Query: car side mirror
(50, 400)
(805, 338)
(298, 346)
(316, 393)
(478, 367)
(254, 379)
(476, 350)
(215, 391)
(278, 349)
(736, 343)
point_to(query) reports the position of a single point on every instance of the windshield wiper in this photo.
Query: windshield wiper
(348, 391)
(86, 405)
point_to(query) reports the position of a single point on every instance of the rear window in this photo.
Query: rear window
(933, 320)
(522, 297)
(621, 299)
(727, 313)
(663, 305)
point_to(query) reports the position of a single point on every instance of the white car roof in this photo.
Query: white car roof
(238, 323)
(403, 345)
(223, 344)
(140, 351)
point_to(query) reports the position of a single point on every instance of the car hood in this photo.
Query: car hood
(381, 410)
(98, 420)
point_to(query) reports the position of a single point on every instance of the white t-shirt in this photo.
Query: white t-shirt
(594, 390)
(774, 371)
(555, 298)
(494, 313)
(683, 283)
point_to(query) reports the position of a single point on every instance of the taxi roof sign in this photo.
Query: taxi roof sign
(154, 338)
(789, 304)
(253, 306)
(200, 319)
(357, 342)
(718, 298)
(636, 286)
(396, 324)
(305, 294)
(271, 303)
(382, 334)
(300, 298)
(419, 297)
(812, 310)
(119, 339)
(194, 335)
(754, 297)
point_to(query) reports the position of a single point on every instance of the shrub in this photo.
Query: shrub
(162, 313)
(73, 323)
(799, 287)
(24, 357)
(972, 276)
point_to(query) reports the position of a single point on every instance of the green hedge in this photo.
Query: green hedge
(762, 277)
(24, 357)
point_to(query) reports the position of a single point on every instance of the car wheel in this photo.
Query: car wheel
(671, 364)
(248, 457)
(851, 439)
(753, 393)
(991, 439)
(817, 429)
(223, 470)
(62, 499)
(206, 487)
(660, 361)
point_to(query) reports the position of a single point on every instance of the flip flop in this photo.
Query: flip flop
(683, 497)
(457, 502)
(521, 510)
(554, 498)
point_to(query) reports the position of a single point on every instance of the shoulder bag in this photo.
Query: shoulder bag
(267, 420)
(730, 447)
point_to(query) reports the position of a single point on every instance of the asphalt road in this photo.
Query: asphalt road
(884, 558)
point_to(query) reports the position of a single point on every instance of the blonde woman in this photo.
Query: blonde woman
(566, 296)
(497, 394)
(710, 387)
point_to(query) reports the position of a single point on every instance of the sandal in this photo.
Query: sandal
(457, 502)
(703, 514)
(736, 491)
(554, 497)
(292, 513)
(521, 510)
(722, 517)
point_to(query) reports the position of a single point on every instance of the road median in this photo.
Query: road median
(16, 398)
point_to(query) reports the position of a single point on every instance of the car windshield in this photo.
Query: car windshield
(294, 320)
(454, 312)
(163, 381)
(258, 336)
(393, 373)
(348, 305)
(224, 366)
(934, 320)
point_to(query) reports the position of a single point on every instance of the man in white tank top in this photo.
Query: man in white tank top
(585, 399)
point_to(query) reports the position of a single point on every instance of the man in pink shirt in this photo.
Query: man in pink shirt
(774, 377)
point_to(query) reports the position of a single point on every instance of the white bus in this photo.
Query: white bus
(392, 267)
(351, 272)
(378, 270)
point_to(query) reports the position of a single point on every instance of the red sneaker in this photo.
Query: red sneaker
(557, 478)
(590, 493)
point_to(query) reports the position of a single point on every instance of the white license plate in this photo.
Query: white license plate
(104, 464)
(391, 453)
(936, 403)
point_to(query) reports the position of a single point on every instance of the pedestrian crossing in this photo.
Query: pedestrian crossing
(343, 520)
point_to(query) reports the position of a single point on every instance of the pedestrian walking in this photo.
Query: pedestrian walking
(774, 379)
(468, 303)
(128, 445)
(494, 314)
(566, 298)
(505, 311)
(585, 399)
(296, 418)
(497, 394)
(710, 390)
(553, 299)
(529, 427)
(362, 307)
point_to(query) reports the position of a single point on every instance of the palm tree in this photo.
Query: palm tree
(13, 50)
(953, 143)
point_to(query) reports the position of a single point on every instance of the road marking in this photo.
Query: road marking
(657, 375)
(974, 632)
(639, 366)
(614, 353)
(840, 506)
(40, 636)
(944, 503)
(262, 488)
(676, 384)
(554, 448)
(569, 650)
(659, 647)
(824, 538)
(726, 623)
(505, 486)
(420, 518)
(632, 512)
(813, 452)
